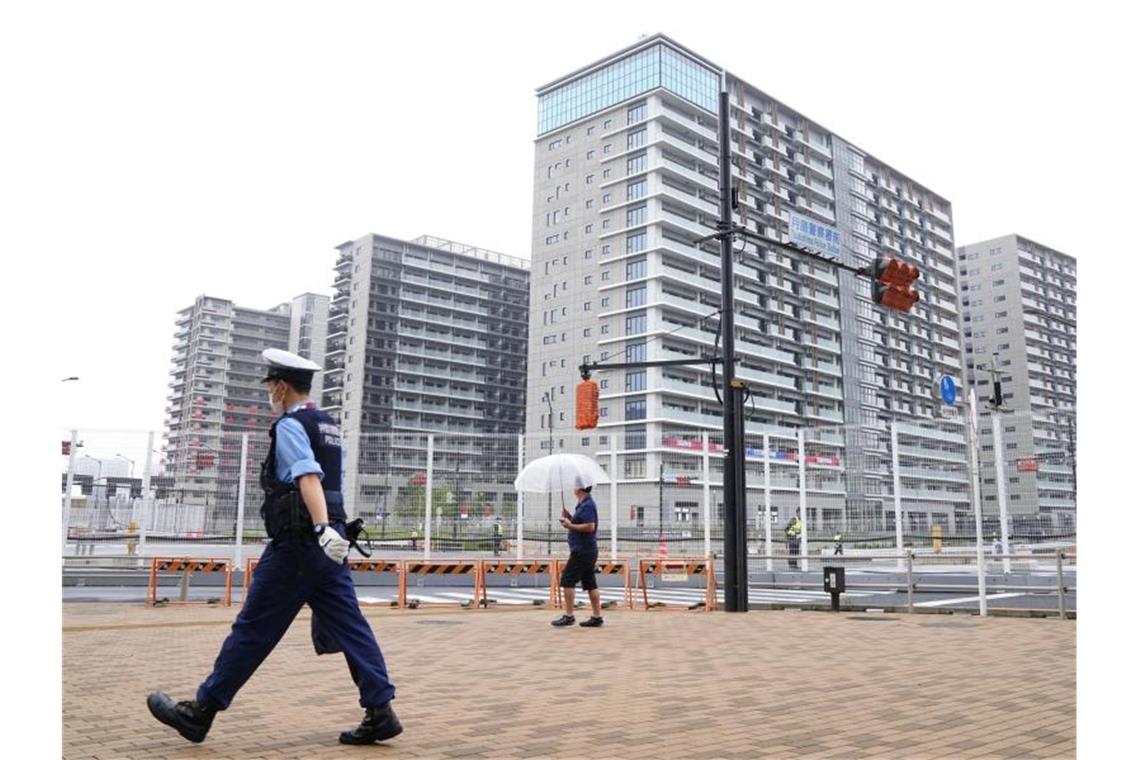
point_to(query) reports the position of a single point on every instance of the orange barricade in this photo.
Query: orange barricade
(370, 565)
(439, 567)
(187, 565)
(515, 568)
(680, 565)
(360, 565)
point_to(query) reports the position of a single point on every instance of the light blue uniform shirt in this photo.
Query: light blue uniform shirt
(294, 454)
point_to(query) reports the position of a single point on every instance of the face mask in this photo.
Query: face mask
(278, 407)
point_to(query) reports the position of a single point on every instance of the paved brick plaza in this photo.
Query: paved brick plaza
(661, 684)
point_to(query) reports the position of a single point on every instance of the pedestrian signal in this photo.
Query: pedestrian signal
(586, 405)
(892, 285)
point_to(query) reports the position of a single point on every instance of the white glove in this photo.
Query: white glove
(333, 545)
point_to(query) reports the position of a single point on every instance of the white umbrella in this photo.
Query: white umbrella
(560, 472)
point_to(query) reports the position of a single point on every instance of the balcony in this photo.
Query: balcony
(765, 378)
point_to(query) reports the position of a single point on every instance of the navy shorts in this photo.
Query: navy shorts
(579, 569)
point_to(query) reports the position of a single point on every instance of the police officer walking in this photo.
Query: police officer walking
(303, 564)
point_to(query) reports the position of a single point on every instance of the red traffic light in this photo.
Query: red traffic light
(892, 284)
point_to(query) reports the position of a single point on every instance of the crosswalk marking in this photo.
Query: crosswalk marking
(963, 600)
(525, 596)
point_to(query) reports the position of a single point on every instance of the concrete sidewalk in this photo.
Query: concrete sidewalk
(660, 684)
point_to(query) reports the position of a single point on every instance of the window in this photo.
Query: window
(607, 147)
(635, 242)
(635, 437)
(589, 203)
(635, 217)
(605, 173)
(635, 324)
(605, 198)
(635, 408)
(635, 381)
(605, 275)
(589, 154)
(589, 179)
(635, 164)
(635, 270)
(586, 306)
(635, 139)
(605, 301)
(588, 279)
(606, 124)
(589, 131)
(635, 114)
(635, 296)
(588, 253)
(635, 351)
(636, 189)
(605, 328)
(999, 299)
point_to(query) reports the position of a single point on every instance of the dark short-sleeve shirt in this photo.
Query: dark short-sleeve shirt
(584, 543)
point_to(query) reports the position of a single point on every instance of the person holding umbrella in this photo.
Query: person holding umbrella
(582, 535)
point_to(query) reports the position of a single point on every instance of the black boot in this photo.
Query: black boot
(379, 724)
(189, 718)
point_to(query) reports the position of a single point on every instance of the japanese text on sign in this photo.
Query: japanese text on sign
(819, 237)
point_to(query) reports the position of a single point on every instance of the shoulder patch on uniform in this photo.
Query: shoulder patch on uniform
(330, 434)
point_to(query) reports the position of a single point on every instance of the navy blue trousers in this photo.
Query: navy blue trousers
(276, 595)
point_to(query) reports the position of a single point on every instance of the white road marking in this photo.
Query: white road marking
(964, 600)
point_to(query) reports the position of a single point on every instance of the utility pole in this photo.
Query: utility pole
(735, 546)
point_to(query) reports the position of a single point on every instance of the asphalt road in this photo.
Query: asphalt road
(867, 588)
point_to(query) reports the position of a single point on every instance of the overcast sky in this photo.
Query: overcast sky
(225, 148)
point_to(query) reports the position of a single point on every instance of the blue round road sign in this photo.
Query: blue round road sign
(948, 389)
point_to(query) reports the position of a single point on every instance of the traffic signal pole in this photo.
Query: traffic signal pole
(735, 520)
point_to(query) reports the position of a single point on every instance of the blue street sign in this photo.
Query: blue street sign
(949, 390)
(818, 237)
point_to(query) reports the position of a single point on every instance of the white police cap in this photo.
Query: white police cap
(285, 365)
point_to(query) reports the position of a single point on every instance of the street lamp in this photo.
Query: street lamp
(549, 496)
(132, 463)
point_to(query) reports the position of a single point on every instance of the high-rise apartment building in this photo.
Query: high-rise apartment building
(425, 337)
(308, 329)
(1019, 318)
(216, 391)
(626, 178)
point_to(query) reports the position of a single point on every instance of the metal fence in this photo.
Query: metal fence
(908, 485)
